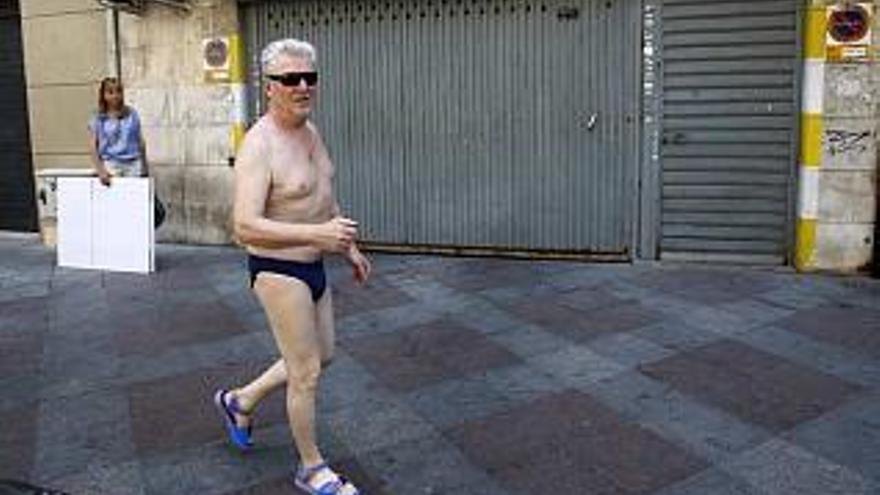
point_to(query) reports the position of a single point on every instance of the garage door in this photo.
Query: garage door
(508, 125)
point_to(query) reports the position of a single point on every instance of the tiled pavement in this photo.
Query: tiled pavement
(455, 376)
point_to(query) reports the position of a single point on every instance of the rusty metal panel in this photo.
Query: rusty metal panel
(509, 125)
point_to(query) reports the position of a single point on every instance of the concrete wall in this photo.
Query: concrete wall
(65, 53)
(186, 119)
(847, 180)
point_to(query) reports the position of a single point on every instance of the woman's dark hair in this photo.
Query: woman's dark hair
(102, 103)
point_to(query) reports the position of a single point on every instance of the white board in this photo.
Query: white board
(74, 222)
(108, 228)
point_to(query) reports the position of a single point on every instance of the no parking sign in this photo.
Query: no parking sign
(848, 37)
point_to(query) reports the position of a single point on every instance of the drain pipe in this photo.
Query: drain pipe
(114, 60)
(238, 81)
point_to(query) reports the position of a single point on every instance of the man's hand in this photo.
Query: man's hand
(360, 265)
(336, 235)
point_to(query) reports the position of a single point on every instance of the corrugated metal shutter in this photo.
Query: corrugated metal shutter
(729, 119)
(17, 206)
(500, 124)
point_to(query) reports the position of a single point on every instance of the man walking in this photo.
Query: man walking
(287, 218)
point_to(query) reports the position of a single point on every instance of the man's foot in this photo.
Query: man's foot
(322, 480)
(237, 421)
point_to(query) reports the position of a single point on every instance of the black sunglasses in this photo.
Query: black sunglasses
(291, 79)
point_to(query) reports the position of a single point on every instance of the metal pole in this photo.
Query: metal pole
(117, 52)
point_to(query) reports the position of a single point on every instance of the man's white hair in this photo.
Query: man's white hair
(289, 47)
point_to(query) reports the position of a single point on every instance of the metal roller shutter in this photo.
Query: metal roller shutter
(489, 124)
(729, 120)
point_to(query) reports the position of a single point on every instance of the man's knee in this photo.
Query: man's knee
(304, 376)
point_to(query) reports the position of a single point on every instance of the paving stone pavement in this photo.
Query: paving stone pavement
(452, 376)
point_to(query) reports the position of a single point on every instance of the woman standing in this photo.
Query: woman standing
(117, 144)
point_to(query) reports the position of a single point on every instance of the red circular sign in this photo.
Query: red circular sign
(849, 24)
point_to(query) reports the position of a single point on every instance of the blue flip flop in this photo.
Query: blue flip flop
(303, 475)
(228, 407)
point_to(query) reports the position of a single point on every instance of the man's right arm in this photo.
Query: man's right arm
(252, 184)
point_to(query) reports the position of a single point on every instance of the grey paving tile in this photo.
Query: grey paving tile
(756, 311)
(709, 432)
(22, 350)
(629, 350)
(709, 285)
(677, 335)
(24, 290)
(593, 298)
(718, 320)
(753, 385)
(521, 383)
(843, 363)
(20, 389)
(71, 356)
(780, 468)
(377, 424)
(424, 289)
(455, 401)
(860, 291)
(18, 444)
(428, 465)
(188, 396)
(581, 326)
(203, 322)
(75, 432)
(385, 320)
(427, 354)
(848, 436)
(669, 305)
(346, 383)
(97, 477)
(507, 294)
(526, 340)
(487, 317)
(711, 482)
(24, 314)
(846, 326)
(250, 349)
(203, 469)
(576, 366)
(379, 292)
(586, 447)
(788, 297)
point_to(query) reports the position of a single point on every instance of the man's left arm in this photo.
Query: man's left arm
(360, 264)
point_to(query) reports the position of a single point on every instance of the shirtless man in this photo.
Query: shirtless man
(287, 218)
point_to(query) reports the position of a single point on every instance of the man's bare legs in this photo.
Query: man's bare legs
(293, 318)
(305, 335)
(250, 395)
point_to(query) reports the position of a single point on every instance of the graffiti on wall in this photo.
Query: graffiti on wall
(842, 141)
